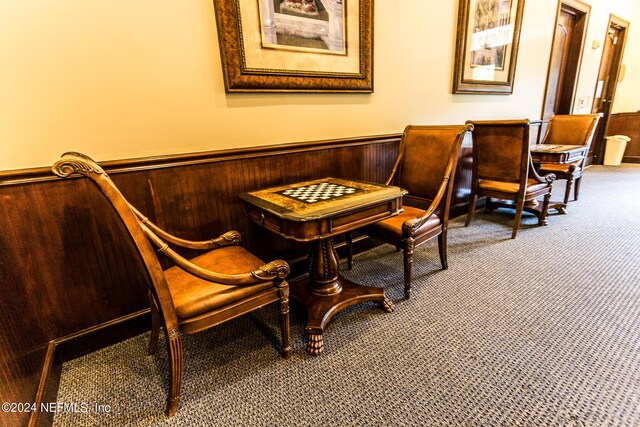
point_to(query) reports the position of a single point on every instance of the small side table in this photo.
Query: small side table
(558, 154)
(316, 211)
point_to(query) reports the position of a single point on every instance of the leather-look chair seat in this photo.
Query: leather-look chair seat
(391, 229)
(510, 187)
(503, 171)
(193, 296)
(570, 168)
(426, 168)
(569, 129)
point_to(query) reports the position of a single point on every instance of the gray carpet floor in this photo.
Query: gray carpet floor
(543, 330)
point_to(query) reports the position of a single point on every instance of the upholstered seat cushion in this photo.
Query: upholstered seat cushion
(509, 187)
(390, 229)
(193, 296)
(555, 168)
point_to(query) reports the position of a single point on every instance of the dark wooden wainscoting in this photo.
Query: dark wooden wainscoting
(66, 273)
(627, 124)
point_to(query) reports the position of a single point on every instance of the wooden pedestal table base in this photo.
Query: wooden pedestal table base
(325, 293)
(314, 212)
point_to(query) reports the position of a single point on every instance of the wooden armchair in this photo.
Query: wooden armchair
(577, 129)
(503, 171)
(222, 283)
(425, 167)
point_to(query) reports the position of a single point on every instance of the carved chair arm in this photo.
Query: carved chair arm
(275, 270)
(227, 239)
(576, 164)
(411, 225)
(548, 178)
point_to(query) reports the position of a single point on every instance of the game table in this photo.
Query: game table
(557, 154)
(316, 211)
(560, 154)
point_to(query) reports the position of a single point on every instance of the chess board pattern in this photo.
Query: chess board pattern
(319, 192)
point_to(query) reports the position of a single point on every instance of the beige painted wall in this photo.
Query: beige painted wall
(120, 79)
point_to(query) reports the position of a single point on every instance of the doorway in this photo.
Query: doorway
(610, 64)
(564, 65)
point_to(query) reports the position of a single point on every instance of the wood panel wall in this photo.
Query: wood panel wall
(627, 124)
(65, 270)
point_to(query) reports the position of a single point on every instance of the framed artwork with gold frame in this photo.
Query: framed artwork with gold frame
(296, 45)
(488, 35)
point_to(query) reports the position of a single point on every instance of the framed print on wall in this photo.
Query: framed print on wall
(296, 45)
(488, 35)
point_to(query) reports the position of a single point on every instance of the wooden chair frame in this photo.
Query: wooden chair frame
(440, 204)
(146, 235)
(573, 172)
(522, 200)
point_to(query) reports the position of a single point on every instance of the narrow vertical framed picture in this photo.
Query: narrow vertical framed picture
(488, 35)
(296, 45)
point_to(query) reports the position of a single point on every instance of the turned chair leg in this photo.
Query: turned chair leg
(155, 326)
(542, 220)
(176, 367)
(442, 248)
(567, 190)
(472, 208)
(285, 330)
(488, 206)
(349, 246)
(408, 262)
(516, 221)
(576, 188)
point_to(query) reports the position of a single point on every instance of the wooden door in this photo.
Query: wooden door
(564, 64)
(612, 50)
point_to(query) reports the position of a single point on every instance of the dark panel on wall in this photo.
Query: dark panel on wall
(462, 180)
(65, 268)
(627, 124)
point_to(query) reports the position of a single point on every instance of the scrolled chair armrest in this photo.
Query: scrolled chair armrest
(573, 167)
(227, 239)
(548, 178)
(411, 225)
(275, 270)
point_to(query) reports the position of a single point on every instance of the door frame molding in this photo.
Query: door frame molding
(584, 9)
(617, 21)
(598, 152)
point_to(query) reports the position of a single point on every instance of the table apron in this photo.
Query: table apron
(322, 228)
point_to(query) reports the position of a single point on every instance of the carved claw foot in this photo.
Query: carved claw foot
(387, 306)
(562, 210)
(544, 221)
(315, 344)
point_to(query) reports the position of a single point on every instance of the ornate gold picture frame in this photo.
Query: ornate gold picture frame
(488, 35)
(331, 51)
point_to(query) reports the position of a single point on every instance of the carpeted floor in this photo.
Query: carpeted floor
(543, 330)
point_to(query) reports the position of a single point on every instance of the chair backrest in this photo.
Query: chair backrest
(427, 161)
(501, 150)
(72, 163)
(575, 129)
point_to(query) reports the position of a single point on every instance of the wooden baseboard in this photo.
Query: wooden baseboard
(91, 339)
(36, 418)
(78, 344)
